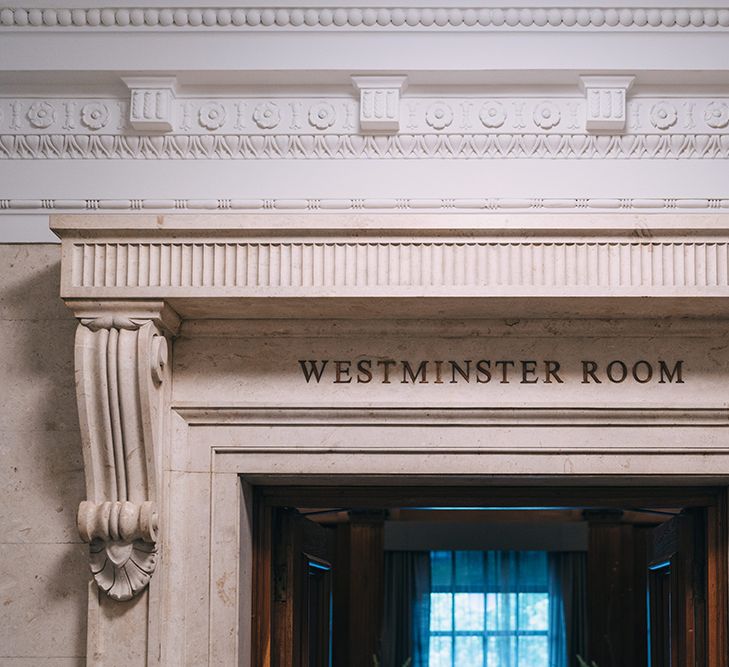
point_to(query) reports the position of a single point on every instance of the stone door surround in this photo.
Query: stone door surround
(164, 455)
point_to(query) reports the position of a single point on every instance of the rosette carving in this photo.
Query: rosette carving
(663, 115)
(121, 369)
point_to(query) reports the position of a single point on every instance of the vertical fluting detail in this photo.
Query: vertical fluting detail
(362, 264)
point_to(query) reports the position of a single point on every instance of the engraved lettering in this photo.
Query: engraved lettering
(465, 374)
(364, 372)
(529, 372)
(623, 371)
(386, 365)
(341, 369)
(483, 371)
(668, 375)
(312, 369)
(407, 370)
(589, 369)
(438, 372)
(551, 369)
(647, 374)
(505, 365)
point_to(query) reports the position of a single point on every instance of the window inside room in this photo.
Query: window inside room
(471, 593)
(489, 586)
(489, 609)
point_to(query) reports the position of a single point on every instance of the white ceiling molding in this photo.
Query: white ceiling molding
(401, 205)
(606, 102)
(379, 102)
(619, 18)
(150, 107)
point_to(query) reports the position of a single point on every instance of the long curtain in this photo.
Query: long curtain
(407, 609)
(568, 607)
(517, 603)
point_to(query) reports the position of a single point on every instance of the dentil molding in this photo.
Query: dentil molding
(606, 18)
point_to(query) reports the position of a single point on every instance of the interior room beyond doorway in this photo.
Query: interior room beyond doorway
(489, 578)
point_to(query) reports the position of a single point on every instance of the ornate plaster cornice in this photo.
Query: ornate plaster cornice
(615, 18)
(474, 126)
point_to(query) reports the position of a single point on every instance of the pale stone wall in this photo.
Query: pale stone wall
(43, 564)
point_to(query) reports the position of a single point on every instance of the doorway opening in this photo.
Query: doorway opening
(490, 577)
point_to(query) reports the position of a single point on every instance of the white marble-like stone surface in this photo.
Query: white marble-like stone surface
(242, 406)
(265, 370)
(43, 564)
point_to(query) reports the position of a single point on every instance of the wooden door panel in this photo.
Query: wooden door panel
(302, 572)
(677, 592)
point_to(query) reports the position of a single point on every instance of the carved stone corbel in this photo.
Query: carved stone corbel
(121, 357)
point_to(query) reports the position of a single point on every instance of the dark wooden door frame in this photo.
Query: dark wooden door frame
(714, 499)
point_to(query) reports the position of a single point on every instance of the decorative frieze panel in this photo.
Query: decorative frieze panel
(304, 18)
(300, 116)
(480, 127)
(360, 265)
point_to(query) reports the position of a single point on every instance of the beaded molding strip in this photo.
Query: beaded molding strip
(347, 18)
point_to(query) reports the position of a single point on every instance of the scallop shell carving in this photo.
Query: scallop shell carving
(122, 569)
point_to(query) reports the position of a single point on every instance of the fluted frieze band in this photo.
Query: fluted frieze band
(353, 266)
(367, 18)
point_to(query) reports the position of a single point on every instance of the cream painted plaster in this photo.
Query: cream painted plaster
(43, 564)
